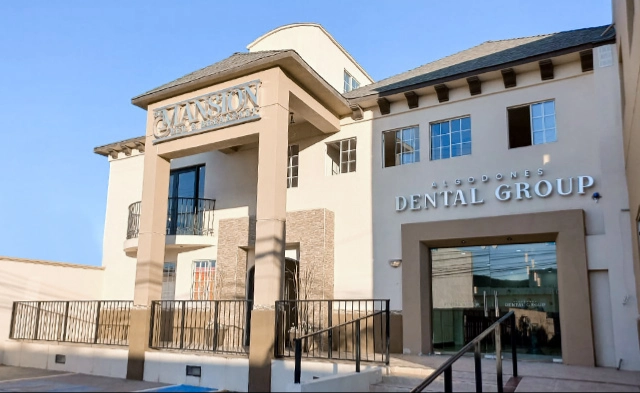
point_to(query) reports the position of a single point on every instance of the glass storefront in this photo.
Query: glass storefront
(469, 283)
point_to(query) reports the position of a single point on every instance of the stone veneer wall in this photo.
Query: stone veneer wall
(311, 230)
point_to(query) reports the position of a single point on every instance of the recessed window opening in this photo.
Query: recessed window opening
(401, 146)
(203, 280)
(168, 281)
(533, 124)
(451, 138)
(292, 166)
(342, 156)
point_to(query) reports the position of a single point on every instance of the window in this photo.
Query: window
(401, 147)
(532, 124)
(168, 281)
(186, 186)
(292, 166)
(350, 83)
(187, 182)
(342, 155)
(451, 138)
(203, 279)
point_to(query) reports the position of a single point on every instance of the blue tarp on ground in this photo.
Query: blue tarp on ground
(183, 388)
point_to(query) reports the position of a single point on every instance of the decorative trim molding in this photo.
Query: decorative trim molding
(546, 69)
(508, 77)
(586, 60)
(384, 105)
(443, 92)
(412, 99)
(475, 85)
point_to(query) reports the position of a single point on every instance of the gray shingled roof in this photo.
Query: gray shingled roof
(485, 55)
(236, 60)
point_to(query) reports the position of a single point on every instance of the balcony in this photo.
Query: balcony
(190, 224)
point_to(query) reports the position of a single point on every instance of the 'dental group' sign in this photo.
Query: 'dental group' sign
(235, 105)
(523, 185)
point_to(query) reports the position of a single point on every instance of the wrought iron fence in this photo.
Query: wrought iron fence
(336, 338)
(222, 326)
(88, 322)
(185, 216)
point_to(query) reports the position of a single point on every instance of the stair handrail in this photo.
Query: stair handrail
(475, 343)
(298, 342)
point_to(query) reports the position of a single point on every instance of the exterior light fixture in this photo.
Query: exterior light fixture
(395, 263)
(291, 118)
(596, 196)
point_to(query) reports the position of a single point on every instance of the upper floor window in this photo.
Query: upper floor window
(203, 280)
(292, 166)
(350, 83)
(187, 182)
(532, 124)
(401, 146)
(451, 138)
(342, 155)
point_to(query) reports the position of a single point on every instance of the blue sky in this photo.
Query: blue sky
(68, 70)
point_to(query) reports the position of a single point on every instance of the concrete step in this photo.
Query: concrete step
(405, 379)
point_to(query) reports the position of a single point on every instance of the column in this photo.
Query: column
(150, 261)
(270, 243)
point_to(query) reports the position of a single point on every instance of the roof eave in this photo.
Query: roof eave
(497, 67)
(289, 61)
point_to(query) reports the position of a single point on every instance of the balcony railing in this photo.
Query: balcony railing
(87, 322)
(220, 326)
(185, 216)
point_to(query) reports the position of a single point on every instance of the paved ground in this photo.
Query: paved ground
(21, 379)
(535, 376)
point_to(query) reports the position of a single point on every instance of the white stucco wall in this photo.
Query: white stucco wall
(29, 280)
(588, 143)
(316, 46)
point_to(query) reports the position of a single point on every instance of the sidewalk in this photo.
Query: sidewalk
(536, 376)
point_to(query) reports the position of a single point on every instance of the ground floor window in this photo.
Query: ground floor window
(470, 283)
(203, 280)
(169, 281)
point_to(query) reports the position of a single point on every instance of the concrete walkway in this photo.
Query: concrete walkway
(22, 379)
(535, 376)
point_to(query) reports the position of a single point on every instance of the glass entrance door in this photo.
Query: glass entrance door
(470, 282)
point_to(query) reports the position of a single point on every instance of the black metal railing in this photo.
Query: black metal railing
(446, 368)
(356, 328)
(222, 326)
(185, 216)
(87, 322)
(327, 332)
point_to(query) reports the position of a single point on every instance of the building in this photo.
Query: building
(491, 179)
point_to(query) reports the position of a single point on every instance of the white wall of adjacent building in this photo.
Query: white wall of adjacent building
(32, 280)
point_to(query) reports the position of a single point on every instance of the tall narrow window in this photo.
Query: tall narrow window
(451, 138)
(203, 280)
(401, 147)
(168, 281)
(350, 83)
(186, 189)
(342, 155)
(532, 124)
(292, 166)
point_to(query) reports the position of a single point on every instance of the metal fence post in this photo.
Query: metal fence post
(448, 379)
(477, 358)
(357, 345)
(298, 361)
(514, 355)
(499, 357)
(330, 333)
(64, 323)
(37, 327)
(152, 323)
(215, 324)
(182, 315)
(14, 308)
(95, 335)
(388, 328)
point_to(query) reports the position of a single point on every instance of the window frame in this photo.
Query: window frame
(349, 151)
(169, 276)
(395, 144)
(530, 105)
(210, 285)
(350, 83)
(449, 120)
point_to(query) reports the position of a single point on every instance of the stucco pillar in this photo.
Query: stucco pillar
(270, 244)
(151, 247)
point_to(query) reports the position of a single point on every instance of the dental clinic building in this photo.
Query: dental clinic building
(493, 177)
